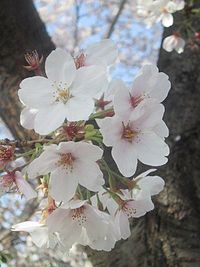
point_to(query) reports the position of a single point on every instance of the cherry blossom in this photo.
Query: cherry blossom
(67, 93)
(149, 85)
(76, 205)
(134, 138)
(14, 180)
(102, 53)
(130, 209)
(69, 163)
(132, 203)
(86, 225)
(159, 10)
(174, 42)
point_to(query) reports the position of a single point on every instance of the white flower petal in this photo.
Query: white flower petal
(89, 81)
(154, 184)
(144, 174)
(111, 129)
(125, 157)
(161, 129)
(95, 225)
(44, 164)
(122, 101)
(62, 185)
(89, 175)
(105, 49)
(56, 221)
(50, 118)
(121, 220)
(38, 232)
(24, 187)
(167, 20)
(169, 43)
(152, 83)
(140, 207)
(89, 152)
(150, 118)
(36, 92)
(152, 149)
(180, 46)
(27, 118)
(60, 67)
(79, 108)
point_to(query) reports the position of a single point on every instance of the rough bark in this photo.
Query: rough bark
(21, 31)
(170, 235)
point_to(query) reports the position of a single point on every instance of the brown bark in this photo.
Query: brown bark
(21, 31)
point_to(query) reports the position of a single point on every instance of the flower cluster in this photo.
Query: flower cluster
(153, 11)
(159, 10)
(79, 110)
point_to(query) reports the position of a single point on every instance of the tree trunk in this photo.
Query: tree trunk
(21, 31)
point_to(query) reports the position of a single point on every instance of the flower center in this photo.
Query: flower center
(61, 92)
(66, 161)
(135, 100)
(128, 134)
(79, 216)
(130, 211)
(63, 95)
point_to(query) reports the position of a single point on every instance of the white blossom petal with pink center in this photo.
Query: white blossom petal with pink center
(66, 94)
(138, 208)
(27, 118)
(59, 66)
(68, 167)
(85, 225)
(24, 187)
(151, 83)
(134, 138)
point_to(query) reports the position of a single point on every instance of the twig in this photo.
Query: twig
(114, 22)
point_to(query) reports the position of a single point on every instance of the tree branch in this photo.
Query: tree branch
(115, 20)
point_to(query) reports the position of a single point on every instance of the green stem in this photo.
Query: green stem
(100, 114)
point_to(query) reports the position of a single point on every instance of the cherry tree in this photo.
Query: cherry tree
(87, 135)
